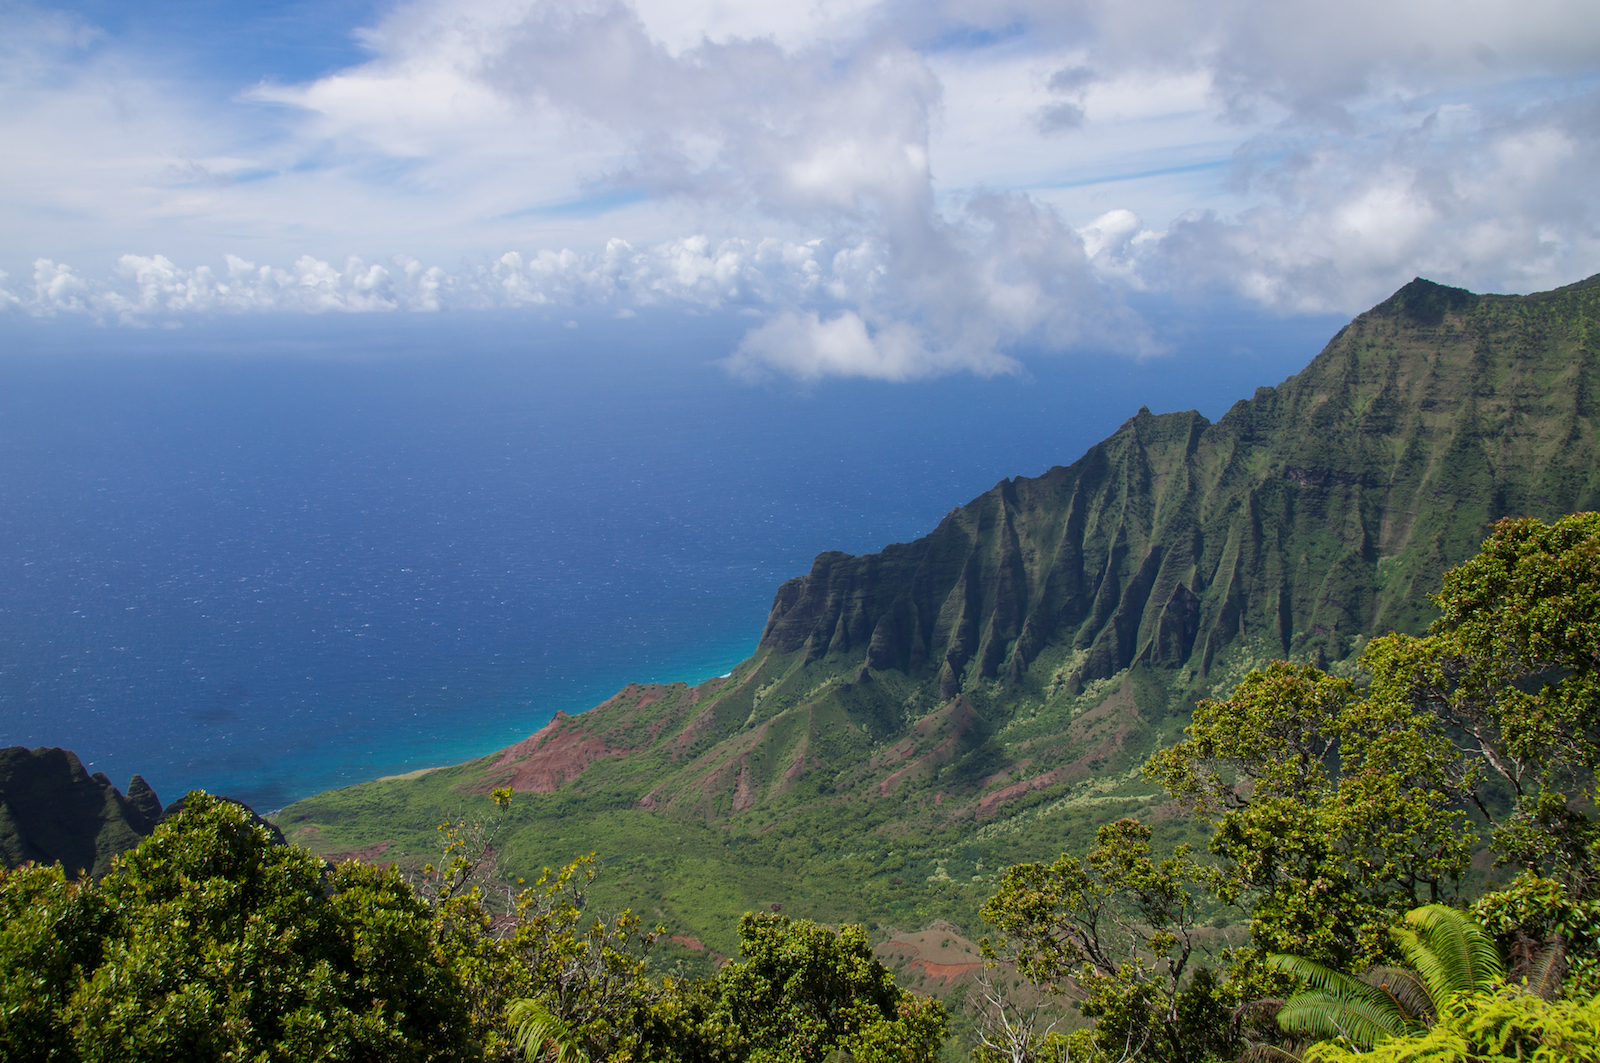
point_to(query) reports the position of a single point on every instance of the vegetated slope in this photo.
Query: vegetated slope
(54, 811)
(916, 718)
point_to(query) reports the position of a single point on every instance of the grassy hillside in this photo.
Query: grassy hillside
(916, 719)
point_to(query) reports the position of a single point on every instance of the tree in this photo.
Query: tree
(803, 990)
(585, 972)
(1123, 927)
(211, 941)
(51, 928)
(1331, 812)
(1512, 669)
(1548, 935)
(1009, 1029)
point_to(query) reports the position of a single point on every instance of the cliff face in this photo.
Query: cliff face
(1321, 509)
(52, 810)
(1052, 628)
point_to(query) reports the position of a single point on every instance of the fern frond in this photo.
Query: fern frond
(1546, 969)
(1407, 989)
(541, 1035)
(1450, 950)
(1363, 1021)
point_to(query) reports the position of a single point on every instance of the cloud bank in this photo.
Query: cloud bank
(892, 190)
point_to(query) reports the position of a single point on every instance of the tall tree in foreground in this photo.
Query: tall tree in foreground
(1332, 813)
(1512, 669)
(1123, 927)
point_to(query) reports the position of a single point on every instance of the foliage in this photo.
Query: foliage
(1448, 953)
(210, 941)
(1122, 926)
(1332, 812)
(1532, 915)
(1512, 666)
(50, 929)
(803, 990)
(586, 971)
(541, 1035)
(1487, 1028)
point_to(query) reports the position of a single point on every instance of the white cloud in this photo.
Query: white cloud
(894, 189)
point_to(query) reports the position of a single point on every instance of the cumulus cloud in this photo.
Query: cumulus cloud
(1341, 225)
(894, 190)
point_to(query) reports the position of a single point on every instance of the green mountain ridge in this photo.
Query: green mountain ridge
(53, 811)
(915, 718)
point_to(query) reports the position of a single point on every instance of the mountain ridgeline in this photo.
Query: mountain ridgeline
(914, 718)
(1319, 511)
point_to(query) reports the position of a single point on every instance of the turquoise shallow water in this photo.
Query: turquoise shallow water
(268, 558)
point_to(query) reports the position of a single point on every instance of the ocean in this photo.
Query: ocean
(269, 556)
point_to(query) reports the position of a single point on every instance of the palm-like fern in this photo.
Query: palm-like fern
(1448, 954)
(541, 1035)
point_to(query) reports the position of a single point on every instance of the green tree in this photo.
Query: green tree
(1123, 927)
(1512, 669)
(1532, 919)
(212, 941)
(51, 929)
(586, 972)
(226, 945)
(1331, 812)
(803, 990)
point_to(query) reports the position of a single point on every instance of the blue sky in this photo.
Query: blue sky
(868, 188)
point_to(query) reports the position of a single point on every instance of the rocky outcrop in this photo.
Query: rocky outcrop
(53, 811)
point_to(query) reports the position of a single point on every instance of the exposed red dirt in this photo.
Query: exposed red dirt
(1108, 725)
(989, 803)
(958, 716)
(550, 757)
(939, 952)
(744, 794)
(698, 726)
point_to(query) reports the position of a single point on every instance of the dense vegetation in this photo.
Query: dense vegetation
(1343, 817)
(1342, 813)
(212, 941)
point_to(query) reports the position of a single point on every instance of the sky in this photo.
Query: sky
(878, 189)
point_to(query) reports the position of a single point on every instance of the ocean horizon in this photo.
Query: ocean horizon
(268, 557)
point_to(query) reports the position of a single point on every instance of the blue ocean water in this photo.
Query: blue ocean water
(267, 557)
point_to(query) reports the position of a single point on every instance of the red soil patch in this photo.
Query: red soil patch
(798, 766)
(945, 972)
(691, 734)
(958, 717)
(1110, 722)
(938, 952)
(744, 794)
(547, 759)
(990, 803)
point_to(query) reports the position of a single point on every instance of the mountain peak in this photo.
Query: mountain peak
(1425, 303)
